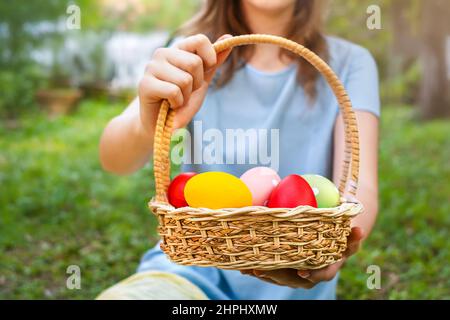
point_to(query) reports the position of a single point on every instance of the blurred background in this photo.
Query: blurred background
(59, 85)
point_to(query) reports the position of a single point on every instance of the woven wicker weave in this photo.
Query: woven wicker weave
(258, 237)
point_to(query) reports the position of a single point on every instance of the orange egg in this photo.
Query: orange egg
(216, 190)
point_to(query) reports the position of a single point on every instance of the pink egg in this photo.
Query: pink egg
(261, 181)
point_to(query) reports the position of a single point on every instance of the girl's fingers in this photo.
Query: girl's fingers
(270, 281)
(351, 249)
(221, 57)
(354, 241)
(357, 234)
(186, 61)
(286, 277)
(200, 45)
(325, 274)
(166, 72)
(250, 273)
(247, 272)
(161, 89)
(282, 275)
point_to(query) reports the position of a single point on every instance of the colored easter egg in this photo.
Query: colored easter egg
(326, 193)
(175, 192)
(261, 181)
(216, 190)
(291, 192)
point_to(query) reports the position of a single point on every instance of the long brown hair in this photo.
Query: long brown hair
(218, 17)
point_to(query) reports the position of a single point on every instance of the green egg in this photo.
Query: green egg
(327, 195)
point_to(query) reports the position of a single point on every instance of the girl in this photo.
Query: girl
(258, 86)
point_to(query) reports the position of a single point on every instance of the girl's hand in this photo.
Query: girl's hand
(181, 75)
(309, 278)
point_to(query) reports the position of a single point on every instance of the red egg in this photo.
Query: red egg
(176, 189)
(291, 192)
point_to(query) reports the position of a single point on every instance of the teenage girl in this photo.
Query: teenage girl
(259, 86)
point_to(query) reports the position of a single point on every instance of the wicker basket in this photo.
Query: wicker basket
(258, 237)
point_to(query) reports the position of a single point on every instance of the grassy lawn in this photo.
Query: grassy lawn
(58, 209)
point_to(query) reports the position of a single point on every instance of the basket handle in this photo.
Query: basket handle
(164, 123)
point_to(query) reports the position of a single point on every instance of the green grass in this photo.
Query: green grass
(59, 208)
(410, 240)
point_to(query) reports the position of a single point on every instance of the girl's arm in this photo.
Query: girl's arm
(125, 145)
(367, 193)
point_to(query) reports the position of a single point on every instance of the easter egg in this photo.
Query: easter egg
(327, 195)
(291, 192)
(216, 190)
(175, 193)
(261, 181)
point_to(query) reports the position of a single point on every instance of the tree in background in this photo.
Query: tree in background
(26, 26)
(435, 59)
(411, 49)
(19, 75)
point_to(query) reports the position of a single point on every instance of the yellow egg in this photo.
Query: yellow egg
(216, 190)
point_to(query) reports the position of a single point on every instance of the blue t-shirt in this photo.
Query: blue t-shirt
(274, 108)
